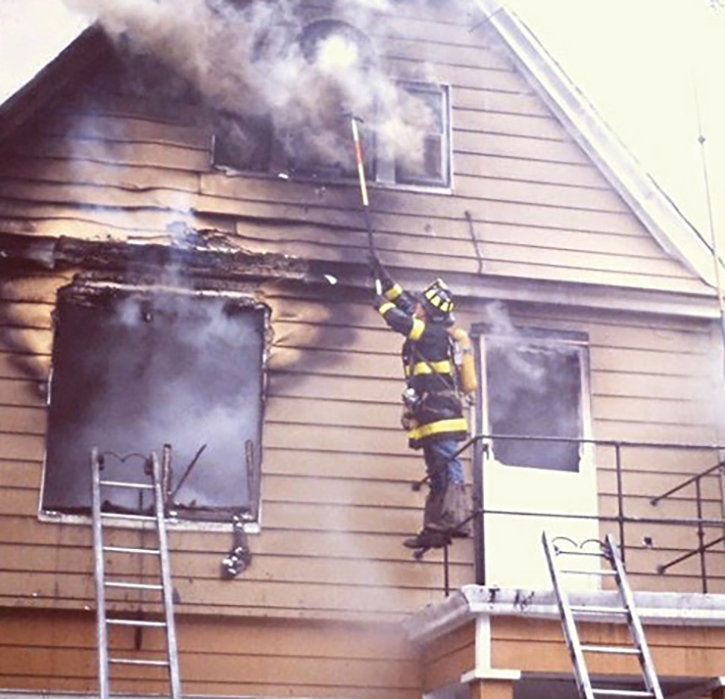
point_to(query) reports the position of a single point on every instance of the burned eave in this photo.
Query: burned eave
(118, 256)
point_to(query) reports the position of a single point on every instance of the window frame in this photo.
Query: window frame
(533, 336)
(380, 172)
(83, 288)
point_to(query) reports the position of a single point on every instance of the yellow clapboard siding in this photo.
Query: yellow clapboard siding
(23, 364)
(79, 171)
(24, 393)
(542, 194)
(97, 195)
(639, 386)
(316, 385)
(523, 170)
(216, 593)
(614, 429)
(515, 146)
(482, 98)
(105, 127)
(65, 218)
(148, 154)
(404, 48)
(205, 566)
(330, 412)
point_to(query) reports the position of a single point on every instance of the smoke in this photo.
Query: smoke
(534, 389)
(167, 368)
(259, 59)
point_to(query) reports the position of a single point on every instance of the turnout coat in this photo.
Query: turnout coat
(433, 404)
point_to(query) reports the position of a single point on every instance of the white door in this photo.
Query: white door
(534, 384)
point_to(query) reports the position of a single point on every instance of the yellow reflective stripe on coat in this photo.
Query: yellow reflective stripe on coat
(417, 330)
(385, 307)
(393, 292)
(457, 424)
(425, 368)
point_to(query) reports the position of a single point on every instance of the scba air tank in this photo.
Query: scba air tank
(464, 360)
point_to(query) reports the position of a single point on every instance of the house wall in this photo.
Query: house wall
(57, 650)
(104, 164)
(526, 199)
(537, 645)
(337, 473)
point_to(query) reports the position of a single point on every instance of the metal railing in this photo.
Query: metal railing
(696, 504)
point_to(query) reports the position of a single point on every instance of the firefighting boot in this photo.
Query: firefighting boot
(428, 539)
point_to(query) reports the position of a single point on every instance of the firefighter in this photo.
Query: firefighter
(432, 408)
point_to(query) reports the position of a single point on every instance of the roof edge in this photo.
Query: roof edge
(650, 204)
(471, 601)
(71, 62)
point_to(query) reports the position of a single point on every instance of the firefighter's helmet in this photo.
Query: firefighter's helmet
(438, 301)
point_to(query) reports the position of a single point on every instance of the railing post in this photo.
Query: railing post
(620, 499)
(479, 542)
(701, 536)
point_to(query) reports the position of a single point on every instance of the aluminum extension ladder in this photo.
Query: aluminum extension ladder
(569, 613)
(105, 519)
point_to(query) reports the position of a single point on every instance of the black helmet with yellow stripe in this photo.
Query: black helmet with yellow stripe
(438, 301)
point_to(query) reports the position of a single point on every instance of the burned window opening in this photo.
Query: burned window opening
(535, 387)
(134, 370)
(254, 145)
(404, 126)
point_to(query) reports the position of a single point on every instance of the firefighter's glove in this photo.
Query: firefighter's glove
(378, 271)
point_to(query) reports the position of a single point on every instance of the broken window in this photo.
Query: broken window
(134, 370)
(535, 388)
(421, 156)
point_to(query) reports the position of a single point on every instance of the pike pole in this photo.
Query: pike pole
(364, 194)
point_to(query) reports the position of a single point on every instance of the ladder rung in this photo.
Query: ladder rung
(133, 586)
(622, 692)
(129, 549)
(126, 484)
(136, 518)
(597, 554)
(601, 571)
(623, 650)
(135, 622)
(598, 610)
(131, 661)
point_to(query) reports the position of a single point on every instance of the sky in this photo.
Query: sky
(655, 72)
(653, 69)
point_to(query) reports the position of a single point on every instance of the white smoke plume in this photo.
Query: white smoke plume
(252, 58)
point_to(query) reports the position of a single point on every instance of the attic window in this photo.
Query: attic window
(405, 126)
(136, 369)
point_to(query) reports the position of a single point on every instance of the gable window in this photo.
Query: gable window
(136, 369)
(433, 167)
(253, 144)
(535, 387)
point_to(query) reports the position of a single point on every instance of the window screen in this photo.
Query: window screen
(534, 389)
(133, 372)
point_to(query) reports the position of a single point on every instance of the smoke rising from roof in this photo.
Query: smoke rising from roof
(253, 58)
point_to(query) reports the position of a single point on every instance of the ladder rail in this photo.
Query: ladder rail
(568, 613)
(101, 624)
(581, 673)
(160, 472)
(635, 624)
